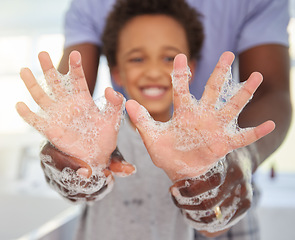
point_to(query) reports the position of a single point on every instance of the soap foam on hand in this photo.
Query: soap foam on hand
(75, 120)
(201, 132)
(206, 127)
(68, 116)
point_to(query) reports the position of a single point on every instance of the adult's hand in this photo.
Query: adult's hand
(214, 202)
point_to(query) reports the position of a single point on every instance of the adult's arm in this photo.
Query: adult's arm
(271, 101)
(272, 98)
(90, 61)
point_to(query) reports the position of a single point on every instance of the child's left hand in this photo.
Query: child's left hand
(199, 133)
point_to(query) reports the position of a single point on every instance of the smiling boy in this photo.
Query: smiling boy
(140, 44)
(147, 47)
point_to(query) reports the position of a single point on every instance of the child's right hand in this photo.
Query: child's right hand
(69, 118)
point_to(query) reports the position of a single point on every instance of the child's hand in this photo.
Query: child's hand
(69, 118)
(200, 132)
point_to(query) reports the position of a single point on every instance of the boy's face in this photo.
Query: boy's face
(147, 47)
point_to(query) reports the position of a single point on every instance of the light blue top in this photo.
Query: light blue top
(230, 25)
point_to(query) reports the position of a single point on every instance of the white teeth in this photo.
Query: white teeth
(153, 91)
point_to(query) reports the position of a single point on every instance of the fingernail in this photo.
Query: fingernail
(83, 172)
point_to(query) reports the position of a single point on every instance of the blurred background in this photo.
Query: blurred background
(28, 208)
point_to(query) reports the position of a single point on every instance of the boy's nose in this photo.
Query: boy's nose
(154, 70)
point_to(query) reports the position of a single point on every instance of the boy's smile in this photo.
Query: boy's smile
(154, 92)
(147, 47)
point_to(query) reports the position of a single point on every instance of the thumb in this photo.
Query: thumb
(138, 115)
(119, 166)
(147, 127)
(115, 105)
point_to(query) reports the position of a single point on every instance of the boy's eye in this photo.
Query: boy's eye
(136, 59)
(169, 58)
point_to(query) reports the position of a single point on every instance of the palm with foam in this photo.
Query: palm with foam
(69, 118)
(199, 133)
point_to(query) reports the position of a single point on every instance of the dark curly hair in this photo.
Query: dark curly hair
(124, 10)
